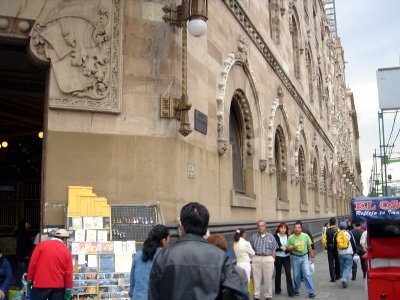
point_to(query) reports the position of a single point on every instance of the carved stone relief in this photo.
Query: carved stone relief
(81, 40)
(299, 130)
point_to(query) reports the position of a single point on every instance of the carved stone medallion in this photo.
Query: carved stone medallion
(81, 40)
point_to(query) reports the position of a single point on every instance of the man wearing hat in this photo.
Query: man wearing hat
(346, 245)
(50, 269)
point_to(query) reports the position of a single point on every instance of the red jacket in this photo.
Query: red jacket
(51, 265)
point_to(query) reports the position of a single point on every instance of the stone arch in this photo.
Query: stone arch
(277, 112)
(233, 62)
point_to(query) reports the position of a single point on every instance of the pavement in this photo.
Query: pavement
(324, 289)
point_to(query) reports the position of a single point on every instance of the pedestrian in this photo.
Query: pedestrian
(50, 269)
(364, 245)
(299, 244)
(357, 233)
(157, 239)
(323, 235)
(282, 258)
(220, 242)
(349, 224)
(333, 259)
(364, 241)
(192, 268)
(243, 251)
(264, 246)
(23, 250)
(6, 276)
(344, 242)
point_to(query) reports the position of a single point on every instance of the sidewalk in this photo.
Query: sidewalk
(324, 289)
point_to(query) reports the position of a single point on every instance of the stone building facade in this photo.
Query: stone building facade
(267, 82)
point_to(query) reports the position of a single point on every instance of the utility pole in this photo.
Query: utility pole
(383, 156)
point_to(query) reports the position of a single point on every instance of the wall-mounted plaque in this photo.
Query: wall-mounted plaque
(200, 121)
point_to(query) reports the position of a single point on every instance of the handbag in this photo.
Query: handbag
(356, 259)
(312, 267)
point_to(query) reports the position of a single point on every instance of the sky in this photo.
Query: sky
(370, 34)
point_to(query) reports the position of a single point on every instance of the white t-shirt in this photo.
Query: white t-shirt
(363, 239)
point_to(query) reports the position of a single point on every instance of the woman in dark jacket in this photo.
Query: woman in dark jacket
(6, 276)
(282, 258)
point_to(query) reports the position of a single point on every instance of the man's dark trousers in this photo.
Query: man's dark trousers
(333, 260)
(363, 268)
(50, 294)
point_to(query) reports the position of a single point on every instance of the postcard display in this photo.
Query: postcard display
(101, 267)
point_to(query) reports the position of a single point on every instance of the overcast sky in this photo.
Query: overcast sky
(370, 35)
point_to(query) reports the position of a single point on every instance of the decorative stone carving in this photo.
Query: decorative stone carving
(294, 178)
(243, 49)
(263, 165)
(222, 146)
(279, 91)
(276, 13)
(300, 128)
(15, 27)
(272, 169)
(81, 40)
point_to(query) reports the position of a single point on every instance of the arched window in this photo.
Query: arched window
(294, 33)
(314, 178)
(280, 162)
(327, 107)
(320, 89)
(302, 172)
(325, 187)
(310, 64)
(236, 140)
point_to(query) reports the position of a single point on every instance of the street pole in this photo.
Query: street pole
(382, 144)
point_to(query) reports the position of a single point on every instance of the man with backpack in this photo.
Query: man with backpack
(333, 259)
(346, 247)
(357, 233)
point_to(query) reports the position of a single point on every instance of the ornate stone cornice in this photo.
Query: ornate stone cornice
(244, 20)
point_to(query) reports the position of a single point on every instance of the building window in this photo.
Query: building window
(302, 169)
(309, 64)
(325, 187)
(236, 140)
(294, 33)
(320, 89)
(314, 179)
(280, 162)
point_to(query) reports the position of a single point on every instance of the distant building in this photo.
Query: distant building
(274, 128)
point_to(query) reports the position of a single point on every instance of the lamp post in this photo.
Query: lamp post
(190, 15)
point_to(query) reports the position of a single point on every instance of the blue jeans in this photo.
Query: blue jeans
(302, 266)
(346, 264)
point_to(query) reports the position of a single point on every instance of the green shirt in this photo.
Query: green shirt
(303, 241)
